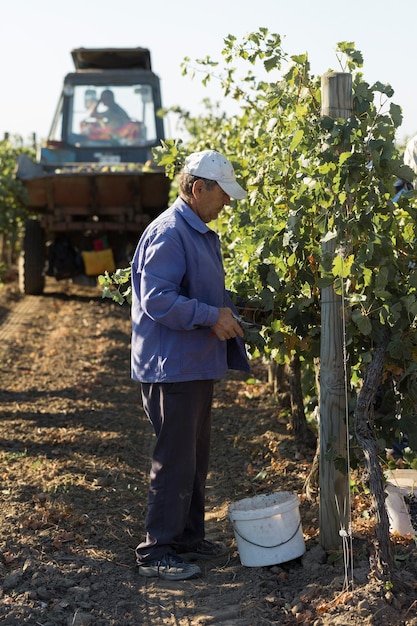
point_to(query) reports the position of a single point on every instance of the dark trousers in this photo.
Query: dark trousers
(181, 417)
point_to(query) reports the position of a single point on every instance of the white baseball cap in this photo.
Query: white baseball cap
(214, 166)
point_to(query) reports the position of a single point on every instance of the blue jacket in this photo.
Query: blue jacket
(177, 288)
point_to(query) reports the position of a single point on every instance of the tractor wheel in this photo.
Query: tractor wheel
(32, 259)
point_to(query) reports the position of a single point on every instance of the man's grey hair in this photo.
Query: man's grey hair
(187, 181)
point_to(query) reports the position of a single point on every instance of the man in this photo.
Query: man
(90, 100)
(410, 153)
(401, 186)
(184, 337)
(113, 115)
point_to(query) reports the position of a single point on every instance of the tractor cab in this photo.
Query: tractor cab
(107, 111)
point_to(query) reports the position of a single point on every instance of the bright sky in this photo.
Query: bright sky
(37, 38)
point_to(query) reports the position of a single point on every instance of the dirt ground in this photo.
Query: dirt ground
(74, 450)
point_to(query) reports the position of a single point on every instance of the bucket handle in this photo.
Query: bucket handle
(259, 545)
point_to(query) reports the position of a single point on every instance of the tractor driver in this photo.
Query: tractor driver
(113, 116)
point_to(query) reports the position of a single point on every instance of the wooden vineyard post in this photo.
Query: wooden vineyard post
(333, 481)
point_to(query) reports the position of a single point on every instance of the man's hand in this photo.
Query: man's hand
(226, 326)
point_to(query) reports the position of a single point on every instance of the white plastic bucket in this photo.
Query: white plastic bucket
(267, 529)
(400, 483)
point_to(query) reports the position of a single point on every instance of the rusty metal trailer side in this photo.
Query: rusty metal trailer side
(87, 206)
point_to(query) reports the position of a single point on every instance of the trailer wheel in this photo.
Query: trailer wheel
(32, 259)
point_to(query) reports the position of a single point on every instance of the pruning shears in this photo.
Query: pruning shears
(244, 323)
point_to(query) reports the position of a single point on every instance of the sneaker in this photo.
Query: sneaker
(170, 567)
(204, 550)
